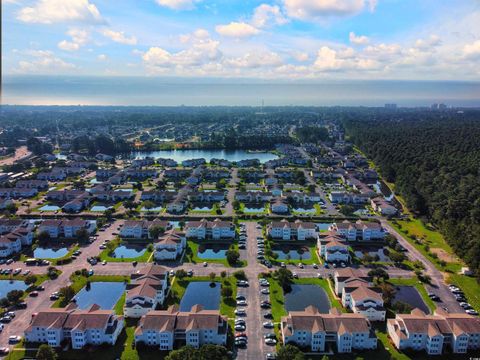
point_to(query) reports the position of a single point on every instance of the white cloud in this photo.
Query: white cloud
(79, 38)
(200, 51)
(119, 37)
(314, 9)
(255, 60)
(237, 30)
(300, 56)
(178, 4)
(102, 57)
(43, 62)
(429, 43)
(358, 39)
(265, 14)
(54, 11)
(472, 51)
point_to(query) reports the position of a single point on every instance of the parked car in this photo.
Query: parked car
(4, 350)
(271, 356)
(241, 303)
(270, 342)
(268, 325)
(240, 327)
(240, 312)
(269, 336)
(33, 294)
(14, 339)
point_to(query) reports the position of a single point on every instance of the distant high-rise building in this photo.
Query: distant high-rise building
(390, 106)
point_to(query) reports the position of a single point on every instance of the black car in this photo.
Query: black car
(265, 306)
(270, 336)
(268, 316)
(22, 305)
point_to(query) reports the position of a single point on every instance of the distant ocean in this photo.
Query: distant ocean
(46, 90)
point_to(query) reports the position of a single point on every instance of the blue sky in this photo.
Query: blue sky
(279, 39)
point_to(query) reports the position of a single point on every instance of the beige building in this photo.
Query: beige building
(319, 332)
(435, 333)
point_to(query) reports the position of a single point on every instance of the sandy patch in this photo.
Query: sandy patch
(443, 255)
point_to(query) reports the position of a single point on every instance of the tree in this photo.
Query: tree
(43, 237)
(379, 273)
(67, 292)
(82, 235)
(388, 292)
(212, 276)
(290, 352)
(284, 277)
(227, 292)
(155, 231)
(14, 296)
(148, 204)
(30, 279)
(181, 274)
(232, 256)
(46, 352)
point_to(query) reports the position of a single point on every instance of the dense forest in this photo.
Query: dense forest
(434, 160)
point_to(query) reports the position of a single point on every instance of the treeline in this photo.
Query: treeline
(100, 144)
(434, 160)
(312, 134)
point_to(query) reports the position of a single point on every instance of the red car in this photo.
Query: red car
(240, 334)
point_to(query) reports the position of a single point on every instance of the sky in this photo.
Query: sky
(276, 39)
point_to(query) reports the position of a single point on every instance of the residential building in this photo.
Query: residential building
(383, 207)
(79, 327)
(66, 228)
(194, 328)
(138, 229)
(342, 277)
(298, 230)
(279, 206)
(417, 331)
(205, 229)
(363, 299)
(360, 230)
(147, 289)
(170, 245)
(321, 332)
(333, 248)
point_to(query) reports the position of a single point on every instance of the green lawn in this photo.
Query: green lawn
(415, 229)
(227, 305)
(147, 256)
(277, 300)
(470, 287)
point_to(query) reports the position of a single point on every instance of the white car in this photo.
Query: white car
(270, 342)
(265, 291)
(240, 312)
(2, 327)
(241, 303)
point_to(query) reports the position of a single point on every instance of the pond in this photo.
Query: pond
(128, 251)
(95, 181)
(181, 155)
(104, 294)
(49, 253)
(253, 210)
(302, 296)
(212, 251)
(411, 296)
(201, 292)
(99, 208)
(49, 208)
(6, 286)
(292, 253)
(305, 211)
(203, 208)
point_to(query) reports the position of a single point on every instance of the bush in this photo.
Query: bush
(240, 275)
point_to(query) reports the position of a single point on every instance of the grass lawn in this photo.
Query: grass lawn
(420, 288)
(470, 287)
(191, 255)
(227, 305)
(416, 229)
(277, 300)
(147, 256)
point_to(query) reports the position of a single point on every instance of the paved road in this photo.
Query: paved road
(437, 286)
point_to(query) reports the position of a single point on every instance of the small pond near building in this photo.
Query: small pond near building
(8, 285)
(104, 294)
(203, 293)
(49, 253)
(302, 296)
